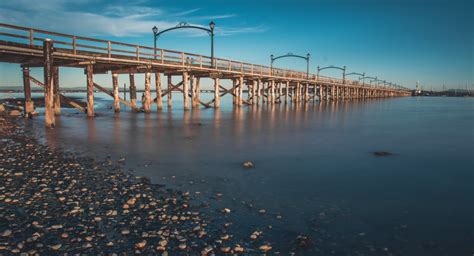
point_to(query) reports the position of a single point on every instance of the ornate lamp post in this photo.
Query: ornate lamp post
(273, 58)
(181, 25)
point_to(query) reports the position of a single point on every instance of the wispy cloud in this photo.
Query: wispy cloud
(126, 18)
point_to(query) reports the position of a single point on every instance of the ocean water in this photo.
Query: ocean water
(314, 174)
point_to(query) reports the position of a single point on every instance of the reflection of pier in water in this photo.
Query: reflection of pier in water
(264, 85)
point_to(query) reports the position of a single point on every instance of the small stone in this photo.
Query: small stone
(64, 235)
(382, 153)
(226, 210)
(265, 248)
(15, 113)
(182, 246)
(140, 245)
(2, 108)
(163, 243)
(6, 233)
(131, 201)
(238, 249)
(56, 247)
(225, 249)
(125, 232)
(57, 226)
(248, 164)
(206, 250)
(262, 211)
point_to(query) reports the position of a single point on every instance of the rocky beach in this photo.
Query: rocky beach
(52, 202)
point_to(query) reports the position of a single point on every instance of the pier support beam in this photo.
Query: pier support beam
(115, 85)
(170, 93)
(287, 88)
(186, 90)
(259, 90)
(241, 88)
(57, 99)
(216, 93)
(28, 107)
(90, 91)
(320, 93)
(194, 102)
(146, 105)
(198, 90)
(116, 93)
(306, 93)
(133, 91)
(48, 83)
(159, 100)
(254, 91)
(234, 91)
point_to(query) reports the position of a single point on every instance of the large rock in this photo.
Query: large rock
(15, 113)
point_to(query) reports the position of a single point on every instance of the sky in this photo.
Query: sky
(401, 41)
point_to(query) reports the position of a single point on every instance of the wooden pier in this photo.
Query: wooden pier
(39, 48)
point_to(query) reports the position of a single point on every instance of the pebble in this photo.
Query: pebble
(6, 233)
(182, 246)
(140, 245)
(265, 248)
(248, 164)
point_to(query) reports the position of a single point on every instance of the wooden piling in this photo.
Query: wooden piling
(133, 91)
(306, 93)
(216, 93)
(147, 101)
(90, 91)
(115, 85)
(254, 91)
(320, 92)
(193, 91)
(170, 93)
(234, 91)
(57, 98)
(159, 98)
(185, 90)
(28, 107)
(198, 90)
(259, 90)
(287, 87)
(48, 83)
(241, 88)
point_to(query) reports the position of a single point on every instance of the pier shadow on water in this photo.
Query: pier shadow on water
(314, 172)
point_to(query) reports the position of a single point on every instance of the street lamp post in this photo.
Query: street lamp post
(155, 32)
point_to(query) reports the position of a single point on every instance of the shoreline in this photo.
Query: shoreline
(52, 202)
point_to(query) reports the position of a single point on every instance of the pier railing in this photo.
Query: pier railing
(79, 45)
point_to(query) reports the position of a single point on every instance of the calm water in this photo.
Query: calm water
(314, 168)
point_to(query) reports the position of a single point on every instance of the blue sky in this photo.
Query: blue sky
(397, 40)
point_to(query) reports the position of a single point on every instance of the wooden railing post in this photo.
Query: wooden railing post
(182, 58)
(162, 56)
(138, 52)
(109, 49)
(32, 39)
(74, 51)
